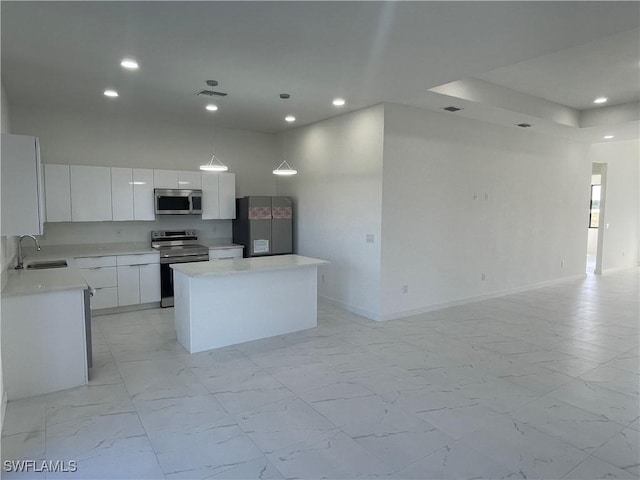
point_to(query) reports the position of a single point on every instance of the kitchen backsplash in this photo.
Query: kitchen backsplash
(73, 233)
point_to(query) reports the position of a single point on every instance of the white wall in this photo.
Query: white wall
(463, 198)
(621, 239)
(8, 247)
(338, 195)
(113, 140)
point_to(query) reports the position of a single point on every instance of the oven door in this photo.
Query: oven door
(166, 276)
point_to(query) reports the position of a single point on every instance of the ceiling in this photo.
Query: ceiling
(63, 55)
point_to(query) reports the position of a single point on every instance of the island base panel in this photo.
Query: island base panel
(218, 311)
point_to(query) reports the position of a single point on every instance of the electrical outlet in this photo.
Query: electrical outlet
(483, 277)
(475, 196)
(370, 238)
(561, 263)
(322, 278)
(486, 196)
(405, 289)
(213, 228)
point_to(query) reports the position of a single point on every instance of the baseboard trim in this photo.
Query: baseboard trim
(128, 308)
(350, 308)
(453, 303)
(617, 269)
(3, 408)
(479, 298)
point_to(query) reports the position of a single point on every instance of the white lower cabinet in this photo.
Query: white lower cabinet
(100, 274)
(122, 280)
(104, 297)
(222, 253)
(138, 279)
(128, 285)
(150, 283)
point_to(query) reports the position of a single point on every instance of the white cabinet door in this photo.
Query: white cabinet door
(210, 199)
(143, 208)
(150, 283)
(227, 195)
(165, 179)
(21, 186)
(189, 180)
(90, 194)
(224, 253)
(122, 193)
(57, 183)
(128, 285)
(106, 297)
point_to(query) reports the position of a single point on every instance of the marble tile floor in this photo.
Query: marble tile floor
(541, 384)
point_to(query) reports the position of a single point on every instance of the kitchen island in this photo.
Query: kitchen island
(226, 302)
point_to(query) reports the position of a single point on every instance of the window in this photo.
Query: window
(594, 207)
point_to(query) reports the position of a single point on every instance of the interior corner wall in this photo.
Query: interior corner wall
(472, 210)
(121, 141)
(338, 201)
(7, 251)
(621, 236)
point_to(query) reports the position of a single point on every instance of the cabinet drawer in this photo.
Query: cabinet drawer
(100, 276)
(218, 254)
(92, 262)
(138, 259)
(104, 298)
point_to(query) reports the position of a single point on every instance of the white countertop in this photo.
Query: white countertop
(28, 282)
(25, 282)
(245, 265)
(69, 252)
(219, 245)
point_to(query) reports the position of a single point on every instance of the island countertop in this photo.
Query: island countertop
(235, 266)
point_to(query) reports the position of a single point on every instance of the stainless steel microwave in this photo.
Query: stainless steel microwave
(170, 201)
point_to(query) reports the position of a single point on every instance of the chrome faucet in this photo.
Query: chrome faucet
(19, 266)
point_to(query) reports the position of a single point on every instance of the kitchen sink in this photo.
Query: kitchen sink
(47, 264)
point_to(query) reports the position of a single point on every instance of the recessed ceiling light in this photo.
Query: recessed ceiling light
(339, 102)
(129, 64)
(110, 93)
(600, 100)
(211, 107)
(608, 137)
(290, 118)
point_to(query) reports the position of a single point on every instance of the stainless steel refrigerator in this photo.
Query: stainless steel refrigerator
(264, 225)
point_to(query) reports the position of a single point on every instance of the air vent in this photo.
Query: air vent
(211, 93)
(452, 109)
(524, 125)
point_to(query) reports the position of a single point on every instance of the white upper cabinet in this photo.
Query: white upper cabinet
(57, 187)
(210, 199)
(90, 194)
(165, 179)
(143, 208)
(218, 196)
(22, 205)
(227, 195)
(122, 193)
(189, 180)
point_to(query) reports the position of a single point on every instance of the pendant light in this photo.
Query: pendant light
(214, 165)
(284, 169)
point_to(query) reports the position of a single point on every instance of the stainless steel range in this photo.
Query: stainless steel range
(175, 246)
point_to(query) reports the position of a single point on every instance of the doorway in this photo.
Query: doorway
(596, 225)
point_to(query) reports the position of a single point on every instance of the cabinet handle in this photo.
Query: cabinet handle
(95, 268)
